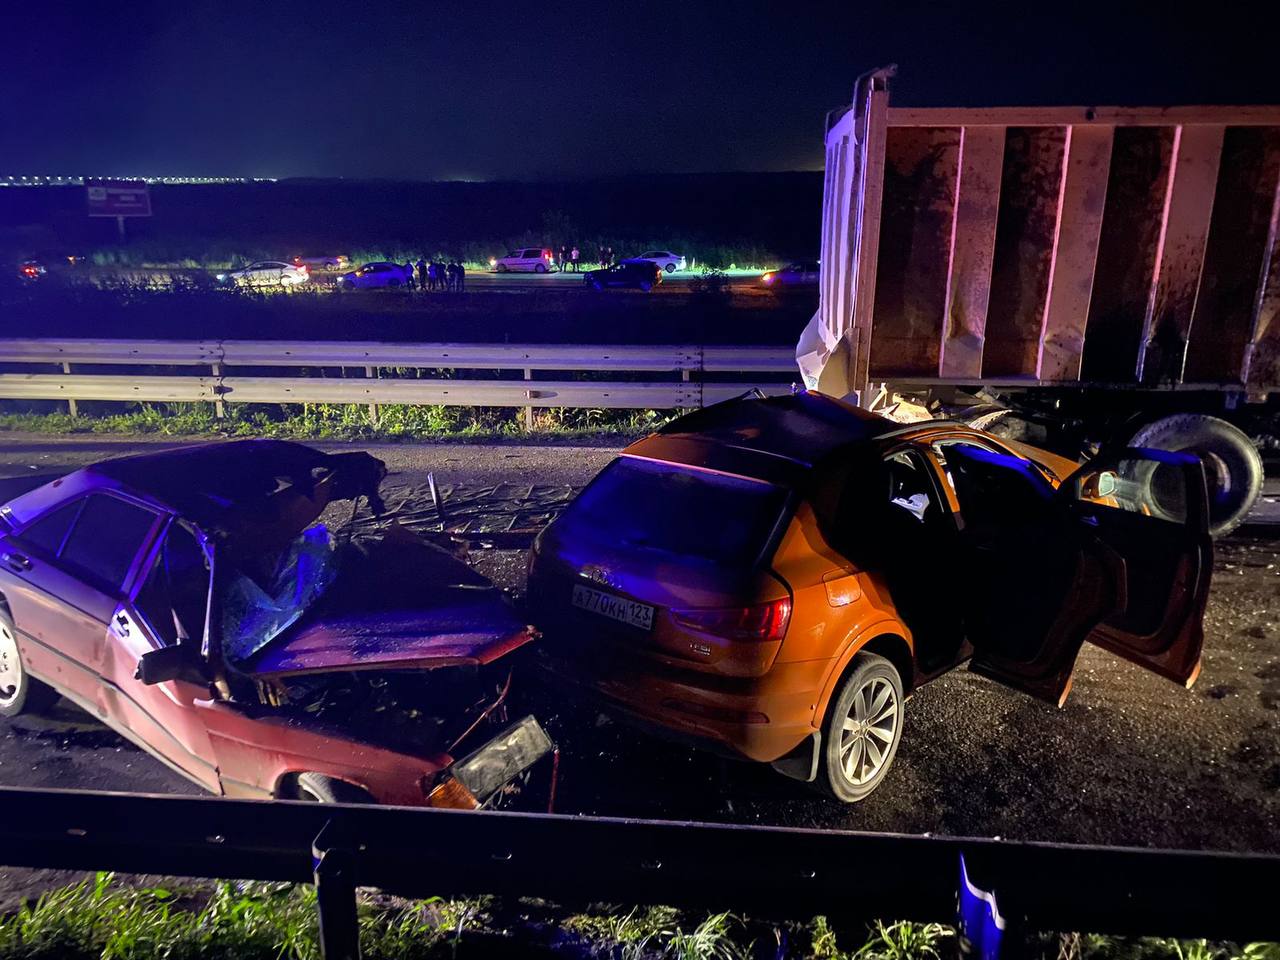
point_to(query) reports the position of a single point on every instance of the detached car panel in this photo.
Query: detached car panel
(195, 601)
(769, 577)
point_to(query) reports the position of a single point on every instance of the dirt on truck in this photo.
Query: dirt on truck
(1079, 276)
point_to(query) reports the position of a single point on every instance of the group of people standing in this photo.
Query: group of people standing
(571, 258)
(437, 275)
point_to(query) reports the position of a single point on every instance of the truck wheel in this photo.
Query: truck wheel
(1232, 465)
(862, 731)
(319, 788)
(19, 691)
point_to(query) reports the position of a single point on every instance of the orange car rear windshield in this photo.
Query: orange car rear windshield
(667, 507)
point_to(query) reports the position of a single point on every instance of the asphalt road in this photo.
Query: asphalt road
(1131, 759)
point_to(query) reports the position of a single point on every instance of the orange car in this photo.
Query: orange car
(770, 578)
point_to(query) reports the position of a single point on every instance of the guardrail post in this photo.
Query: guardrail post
(219, 410)
(71, 404)
(371, 372)
(334, 874)
(528, 411)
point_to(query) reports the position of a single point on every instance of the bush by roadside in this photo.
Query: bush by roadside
(326, 421)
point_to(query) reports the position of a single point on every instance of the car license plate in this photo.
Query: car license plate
(630, 612)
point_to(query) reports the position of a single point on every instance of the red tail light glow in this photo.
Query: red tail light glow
(761, 621)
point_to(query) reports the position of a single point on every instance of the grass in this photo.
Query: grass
(329, 421)
(102, 917)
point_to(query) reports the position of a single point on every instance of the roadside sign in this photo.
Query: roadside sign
(118, 198)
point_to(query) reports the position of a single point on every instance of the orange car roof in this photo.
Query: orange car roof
(772, 438)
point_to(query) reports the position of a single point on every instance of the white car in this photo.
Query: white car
(268, 273)
(668, 261)
(525, 260)
(331, 262)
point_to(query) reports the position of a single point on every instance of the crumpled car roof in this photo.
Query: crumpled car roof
(217, 484)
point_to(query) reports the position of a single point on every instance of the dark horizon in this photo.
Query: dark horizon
(429, 92)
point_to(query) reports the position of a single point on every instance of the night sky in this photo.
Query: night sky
(538, 90)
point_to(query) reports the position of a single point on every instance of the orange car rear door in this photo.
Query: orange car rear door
(1150, 509)
(1036, 587)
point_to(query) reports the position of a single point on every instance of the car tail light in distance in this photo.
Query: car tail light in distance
(761, 621)
(767, 278)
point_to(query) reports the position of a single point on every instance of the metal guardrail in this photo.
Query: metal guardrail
(769, 872)
(685, 388)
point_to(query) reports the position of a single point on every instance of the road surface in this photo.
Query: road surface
(1131, 759)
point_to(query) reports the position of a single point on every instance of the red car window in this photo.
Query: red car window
(47, 533)
(105, 539)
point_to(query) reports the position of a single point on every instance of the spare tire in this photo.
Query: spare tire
(1232, 465)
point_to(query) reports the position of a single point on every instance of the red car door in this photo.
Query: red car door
(72, 564)
(1119, 555)
(166, 608)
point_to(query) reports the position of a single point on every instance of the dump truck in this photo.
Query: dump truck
(1092, 276)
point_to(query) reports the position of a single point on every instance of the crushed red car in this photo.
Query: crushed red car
(199, 601)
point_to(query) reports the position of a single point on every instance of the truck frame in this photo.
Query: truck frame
(1101, 275)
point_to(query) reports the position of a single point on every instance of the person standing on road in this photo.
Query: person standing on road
(573, 254)
(460, 279)
(564, 259)
(422, 274)
(408, 274)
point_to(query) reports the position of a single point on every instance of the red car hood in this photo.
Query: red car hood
(399, 603)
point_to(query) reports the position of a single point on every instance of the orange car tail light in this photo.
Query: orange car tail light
(761, 621)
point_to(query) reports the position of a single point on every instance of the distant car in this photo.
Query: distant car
(267, 273)
(526, 260)
(380, 273)
(793, 274)
(193, 600)
(668, 261)
(630, 273)
(46, 262)
(337, 262)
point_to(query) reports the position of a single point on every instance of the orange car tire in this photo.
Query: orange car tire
(862, 730)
